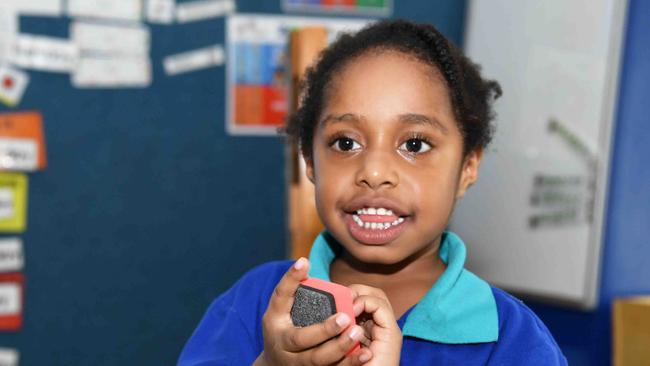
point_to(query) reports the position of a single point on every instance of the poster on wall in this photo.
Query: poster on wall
(257, 82)
(345, 7)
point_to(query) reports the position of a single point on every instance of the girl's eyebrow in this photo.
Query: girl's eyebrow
(408, 118)
(421, 119)
(345, 117)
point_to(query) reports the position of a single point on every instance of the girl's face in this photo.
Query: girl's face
(388, 158)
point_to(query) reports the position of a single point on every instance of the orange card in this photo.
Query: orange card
(11, 301)
(22, 143)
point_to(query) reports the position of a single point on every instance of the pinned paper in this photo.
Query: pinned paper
(11, 255)
(9, 357)
(11, 301)
(13, 83)
(8, 30)
(194, 60)
(160, 11)
(191, 11)
(52, 8)
(13, 202)
(101, 39)
(44, 53)
(22, 145)
(130, 10)
(115, 72)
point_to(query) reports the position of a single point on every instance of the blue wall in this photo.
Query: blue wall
(586, 337)
(148, 210)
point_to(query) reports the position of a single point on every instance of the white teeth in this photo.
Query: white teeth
(376, 225)
(375, 211)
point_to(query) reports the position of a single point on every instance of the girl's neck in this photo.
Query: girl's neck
(405, 283)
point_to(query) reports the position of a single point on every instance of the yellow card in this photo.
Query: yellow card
(13, 202)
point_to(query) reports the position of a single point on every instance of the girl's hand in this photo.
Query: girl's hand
(326, 343)
(380, 325)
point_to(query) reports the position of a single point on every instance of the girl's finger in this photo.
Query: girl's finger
(283, 296)
(380, 309)
(358, 290)
(357, 358)
(336, 349)
(299, 339)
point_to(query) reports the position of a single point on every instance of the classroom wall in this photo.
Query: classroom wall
(585, 337)
(148, 210)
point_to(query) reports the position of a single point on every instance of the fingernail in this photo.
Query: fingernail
(342, 320)
(364, 357)
(355, 333)
(299, 263)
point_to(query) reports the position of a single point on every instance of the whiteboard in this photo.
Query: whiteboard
(533, 222)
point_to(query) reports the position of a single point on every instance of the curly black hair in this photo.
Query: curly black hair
(471, 95)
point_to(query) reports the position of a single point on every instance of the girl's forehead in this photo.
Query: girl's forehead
(384, 83)
(386, 59)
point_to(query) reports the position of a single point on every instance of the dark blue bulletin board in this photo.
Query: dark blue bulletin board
(147, 209)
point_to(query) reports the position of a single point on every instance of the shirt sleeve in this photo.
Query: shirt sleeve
(230, 332)
(523, 337)
(221, 338)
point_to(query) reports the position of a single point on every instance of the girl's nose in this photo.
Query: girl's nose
(376, 171)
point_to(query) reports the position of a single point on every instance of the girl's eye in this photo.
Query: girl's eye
(415, 146)
(345, 144)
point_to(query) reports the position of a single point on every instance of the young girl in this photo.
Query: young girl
(392, 126)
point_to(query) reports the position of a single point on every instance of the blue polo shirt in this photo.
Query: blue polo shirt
(461, 320)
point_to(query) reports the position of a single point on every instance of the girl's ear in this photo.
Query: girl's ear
(469, 172)
(309, 169)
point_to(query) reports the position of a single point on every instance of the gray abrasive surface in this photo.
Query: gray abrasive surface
(311, 306)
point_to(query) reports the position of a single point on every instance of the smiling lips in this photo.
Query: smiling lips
(374, 226)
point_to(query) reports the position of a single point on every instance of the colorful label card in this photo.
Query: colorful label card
(13, 83)
(11, 255)
(22, 145)
(11, 301)
(13, 202)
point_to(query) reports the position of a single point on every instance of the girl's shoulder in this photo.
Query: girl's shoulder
(522, 333)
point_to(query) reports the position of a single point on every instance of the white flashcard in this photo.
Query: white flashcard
(53, 8)
(103, 39)
(8, 357)
(44, 53)
(194, 60)
(130, 10)
(13, 83)
(8, 30)
(160, 11)
(11, 255)
(203, 9)
(6, 203)
(8, 18)
(10, 301)
(18, 154)
(112, 72)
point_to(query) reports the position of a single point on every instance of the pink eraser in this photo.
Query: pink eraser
(316, 300)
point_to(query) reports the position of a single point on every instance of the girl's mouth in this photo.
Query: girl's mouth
(375, 225)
